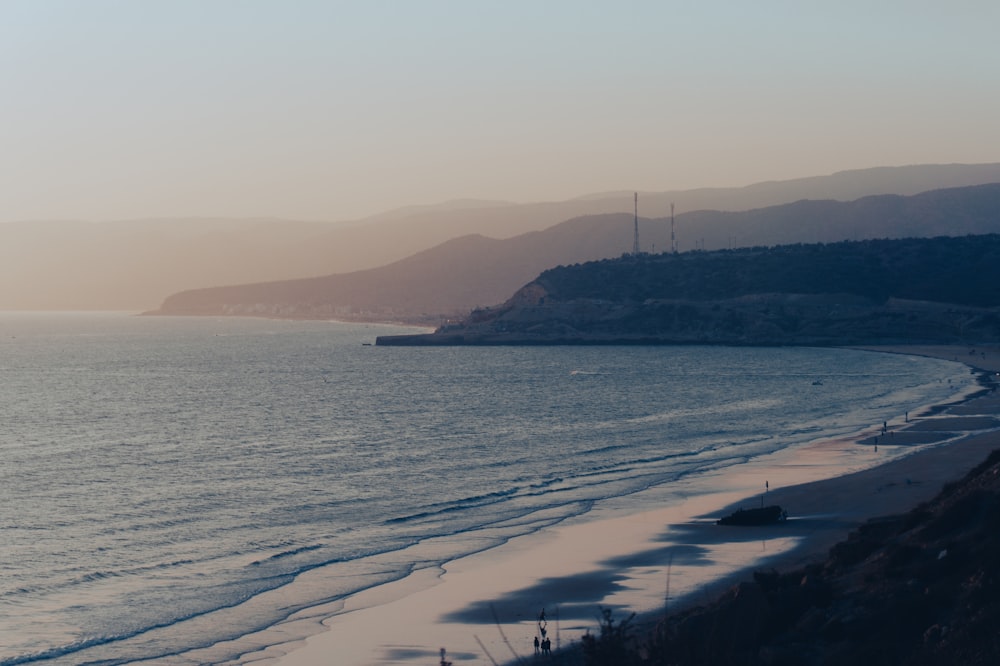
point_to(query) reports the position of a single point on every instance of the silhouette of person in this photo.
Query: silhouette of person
(536, 644)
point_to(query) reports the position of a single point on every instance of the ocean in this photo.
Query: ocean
(166, 482)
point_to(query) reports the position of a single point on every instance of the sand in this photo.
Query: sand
(484, 607)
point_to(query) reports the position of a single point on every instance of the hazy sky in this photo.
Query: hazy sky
(333, 110)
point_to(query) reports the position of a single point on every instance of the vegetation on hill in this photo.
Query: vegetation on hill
(945, 270)
(943, 290)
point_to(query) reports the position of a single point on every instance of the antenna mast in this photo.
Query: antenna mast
(635, 242)
(673, 241)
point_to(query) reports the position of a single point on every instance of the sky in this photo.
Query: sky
(335, 110)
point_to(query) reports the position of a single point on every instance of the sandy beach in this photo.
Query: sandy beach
(483, 608)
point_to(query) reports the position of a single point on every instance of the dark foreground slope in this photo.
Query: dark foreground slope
(920, 589)
(942, 290)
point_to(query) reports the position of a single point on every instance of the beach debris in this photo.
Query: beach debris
(765, 515)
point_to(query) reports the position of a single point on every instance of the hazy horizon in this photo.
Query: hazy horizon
(336, 110)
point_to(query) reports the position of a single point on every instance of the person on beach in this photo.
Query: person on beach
(536, 645)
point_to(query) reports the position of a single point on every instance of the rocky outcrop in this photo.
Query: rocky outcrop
(763, 319)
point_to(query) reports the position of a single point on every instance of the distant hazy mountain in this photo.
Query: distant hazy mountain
(841, 186)
(136, 264)
(476, 271)
(130, 264)
(395, 235)
(446, 280)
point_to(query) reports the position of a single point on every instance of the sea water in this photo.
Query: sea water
(163, 481)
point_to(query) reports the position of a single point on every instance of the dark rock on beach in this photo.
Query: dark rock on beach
(765, 515)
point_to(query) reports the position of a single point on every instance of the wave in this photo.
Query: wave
(61, 651)
(581, 486)
(288, 553)
(455, 505)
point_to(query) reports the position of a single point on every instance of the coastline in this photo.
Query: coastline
(627, 563)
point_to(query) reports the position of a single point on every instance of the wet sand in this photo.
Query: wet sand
(483, 608)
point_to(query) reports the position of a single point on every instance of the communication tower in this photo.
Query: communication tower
(673, 241)
(635, 241)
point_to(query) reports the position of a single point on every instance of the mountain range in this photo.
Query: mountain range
(136, 264)
(474, 271)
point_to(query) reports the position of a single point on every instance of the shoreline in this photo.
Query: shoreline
(634, 558)
(889, 489)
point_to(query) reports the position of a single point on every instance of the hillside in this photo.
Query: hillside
(944, 289)
(447, 280)
(474, 271)
(135, 264)
(919, 588)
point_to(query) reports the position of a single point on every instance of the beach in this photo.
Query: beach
(484, 608)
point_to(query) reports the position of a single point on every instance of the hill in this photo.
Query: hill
(919, 588)
(474, 271)
(944, 289)
(135, 264)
